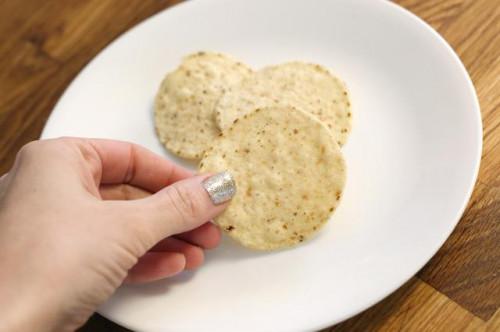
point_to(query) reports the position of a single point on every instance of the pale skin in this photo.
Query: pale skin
(79, 217)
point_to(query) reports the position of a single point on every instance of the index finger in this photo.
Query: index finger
(123, 162)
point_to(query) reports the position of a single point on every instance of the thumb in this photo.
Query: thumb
(185, 205)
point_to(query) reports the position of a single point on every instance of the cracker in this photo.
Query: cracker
(308, 87)
(184, 105)
(289, 174)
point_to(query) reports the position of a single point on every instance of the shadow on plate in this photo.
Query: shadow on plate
(229, 249)
(161, 286)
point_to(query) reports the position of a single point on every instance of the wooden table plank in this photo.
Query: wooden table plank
(44, 44)
(436, 13)
(494, 323)
(412, 307)
(467, 267)
(475, 35)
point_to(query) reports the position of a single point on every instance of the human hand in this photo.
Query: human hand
(77, 219)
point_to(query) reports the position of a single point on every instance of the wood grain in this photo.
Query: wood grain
(417, 307)
(466, 268)
(413, 306)
(44, 44)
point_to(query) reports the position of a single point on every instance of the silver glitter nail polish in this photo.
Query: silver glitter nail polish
(220, 187)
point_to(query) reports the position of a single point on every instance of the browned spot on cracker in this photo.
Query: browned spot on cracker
(229, 228)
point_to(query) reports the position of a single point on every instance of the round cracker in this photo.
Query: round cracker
(308, 87)
(185, 102)
(289, 175)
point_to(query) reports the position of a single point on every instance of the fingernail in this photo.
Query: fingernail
(220, 187)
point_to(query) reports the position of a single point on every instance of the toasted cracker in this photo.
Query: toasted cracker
(289, 174)
(185, 102)
(308, 87)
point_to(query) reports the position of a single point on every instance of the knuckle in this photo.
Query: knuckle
(68, 142)
(29, 148)
(67, 139)
(45, 146)
(184, 202)
(50, 148)
(29, 152)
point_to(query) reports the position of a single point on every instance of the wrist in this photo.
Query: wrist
(37, 314)
(28, 305)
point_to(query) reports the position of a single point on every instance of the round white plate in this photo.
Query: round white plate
(412, 158)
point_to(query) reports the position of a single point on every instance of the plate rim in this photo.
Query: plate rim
(477, 123)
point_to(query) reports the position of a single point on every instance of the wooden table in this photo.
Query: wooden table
(44, 44)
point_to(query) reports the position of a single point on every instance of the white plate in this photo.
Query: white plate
(412, 157)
